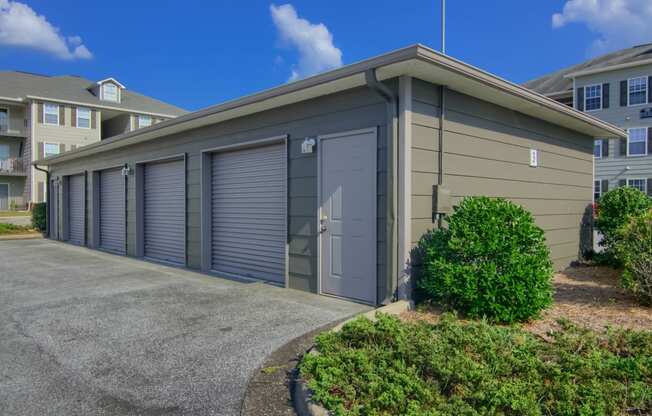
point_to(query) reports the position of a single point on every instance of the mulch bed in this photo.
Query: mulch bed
(588, 296)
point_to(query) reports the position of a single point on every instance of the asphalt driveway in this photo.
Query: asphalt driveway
(88, 333)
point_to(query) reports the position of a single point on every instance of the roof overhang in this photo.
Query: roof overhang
(417, 61)
(608, 68)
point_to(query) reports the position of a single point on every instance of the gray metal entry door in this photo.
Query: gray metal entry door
(4, 196)
(112, 211)
(76, 209)
(248, 212)
(164, 213)
(348, 215)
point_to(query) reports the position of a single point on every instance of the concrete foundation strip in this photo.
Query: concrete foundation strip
(302, 395)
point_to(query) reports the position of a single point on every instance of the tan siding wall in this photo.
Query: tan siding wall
(351, 110)
(486, 152)
(63, 135)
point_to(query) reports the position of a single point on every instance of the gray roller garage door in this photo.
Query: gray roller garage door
(165, 212)
(76, 209)
(112, 211)
(248, 212)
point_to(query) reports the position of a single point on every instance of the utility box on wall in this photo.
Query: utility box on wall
(441, 200)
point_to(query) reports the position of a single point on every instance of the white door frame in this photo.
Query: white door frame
(373, 130)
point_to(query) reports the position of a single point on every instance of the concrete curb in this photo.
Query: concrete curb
(20, 237)
(302, 395)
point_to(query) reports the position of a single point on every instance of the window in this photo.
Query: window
(593, 97)
(637, 142)
(50, 149)
(4, 119)
(597, 149)
(51, 114)
(110, 92)
(639, 184)
(144, 121)
(4, 151)
(637, 90)
(597, 190)
(83, 118)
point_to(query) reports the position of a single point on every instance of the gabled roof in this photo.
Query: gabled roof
(74, 89)
(416, 61)
(561, 81)
(115, 81)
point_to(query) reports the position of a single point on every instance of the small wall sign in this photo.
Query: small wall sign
(534, 158)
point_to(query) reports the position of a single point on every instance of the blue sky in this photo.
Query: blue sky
(199, 53)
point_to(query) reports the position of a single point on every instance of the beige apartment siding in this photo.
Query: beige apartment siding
(17, 123)
(350, 110)
(65, 135)
(486, 152)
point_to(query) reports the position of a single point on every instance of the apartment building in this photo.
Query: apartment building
(43, 116)
(617, 88)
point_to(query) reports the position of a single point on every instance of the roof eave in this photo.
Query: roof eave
(608, 68)
(406, 61)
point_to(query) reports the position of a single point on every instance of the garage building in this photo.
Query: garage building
(326, 184)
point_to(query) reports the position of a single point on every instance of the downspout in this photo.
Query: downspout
(47, 199)
(391, 101)
(440, 154)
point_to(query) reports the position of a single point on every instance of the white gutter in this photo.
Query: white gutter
(100, 106)
(608, 68)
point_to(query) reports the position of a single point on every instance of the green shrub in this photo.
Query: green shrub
(634, 248)
(6, 228)
(39, 217)
(615, 209)
(393, 368)
(491, 262)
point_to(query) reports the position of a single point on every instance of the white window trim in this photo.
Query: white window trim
(597, 142)
(599, 96)
(646, 91)
(45, 112)
(644, 141)
(117, 92)
(90, 116)
(45, 144)
(599, 188)
(140, 117)
(638, 179)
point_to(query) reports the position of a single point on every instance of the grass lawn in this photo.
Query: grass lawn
(589, 354)
(15, 214)
(6, 229)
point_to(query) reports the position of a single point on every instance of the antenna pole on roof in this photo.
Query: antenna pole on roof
(443, 27)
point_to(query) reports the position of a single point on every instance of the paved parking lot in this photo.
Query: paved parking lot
(88, 333)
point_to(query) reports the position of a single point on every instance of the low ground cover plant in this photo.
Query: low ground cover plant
(614, 210)
(389, 367)
(634, 249)
(491, 261)
(13, 229)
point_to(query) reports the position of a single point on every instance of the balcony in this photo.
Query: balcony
(12, 167)
(6, 130)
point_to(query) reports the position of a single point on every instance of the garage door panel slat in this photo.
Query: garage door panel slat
(248, 200)
(164, 211)
(112, 211)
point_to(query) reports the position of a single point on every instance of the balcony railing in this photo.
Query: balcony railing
(12, 165)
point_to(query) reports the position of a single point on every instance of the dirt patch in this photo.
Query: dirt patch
(588, 296)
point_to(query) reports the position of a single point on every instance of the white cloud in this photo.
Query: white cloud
(20, 26)
(314, 42)
(618, 23)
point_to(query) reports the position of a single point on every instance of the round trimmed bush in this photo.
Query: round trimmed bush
(615, 209)
(491, 262)
(634, 248)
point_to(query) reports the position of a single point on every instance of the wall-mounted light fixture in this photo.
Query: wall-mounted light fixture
(126, 170)
(308, 144)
